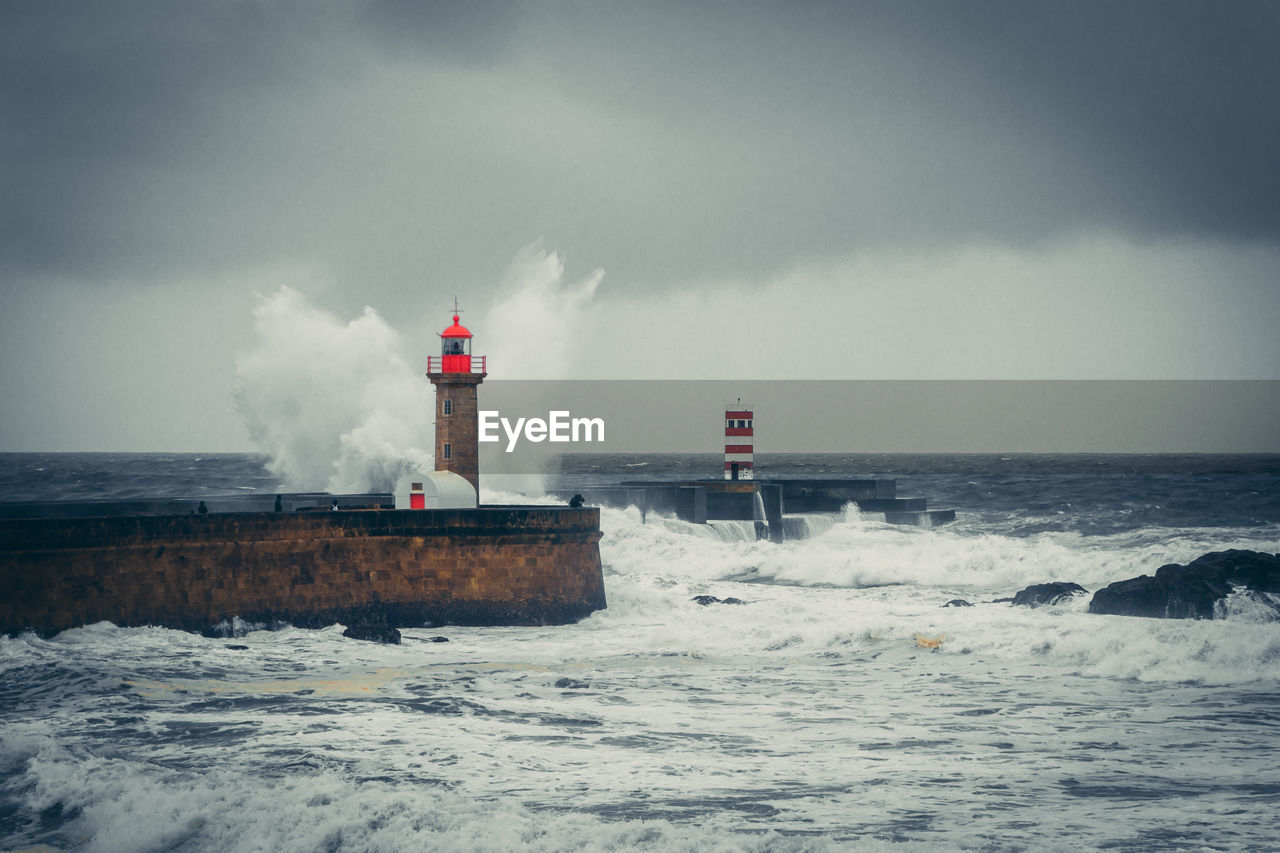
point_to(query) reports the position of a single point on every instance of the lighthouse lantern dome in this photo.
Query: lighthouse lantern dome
(455, 340)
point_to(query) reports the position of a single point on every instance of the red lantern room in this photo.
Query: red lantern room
(455, 352)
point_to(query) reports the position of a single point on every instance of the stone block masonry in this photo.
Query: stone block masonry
(458, 424)
(402, 568)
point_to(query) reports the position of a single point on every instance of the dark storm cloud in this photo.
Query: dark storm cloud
(1177, 103)
(124, 122)
(1007, 119)
(658, 141)
(92, 93)
(456, 30)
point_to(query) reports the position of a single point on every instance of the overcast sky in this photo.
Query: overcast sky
(883, 190)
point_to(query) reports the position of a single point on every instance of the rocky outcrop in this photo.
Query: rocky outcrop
(1041, 594)
(704, 600)
(1190, 591)
(957, 602)
(373, 633)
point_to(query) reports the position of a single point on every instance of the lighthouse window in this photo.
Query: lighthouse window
(748, 424)
(448, 451)
(742, 424)
(448, 407)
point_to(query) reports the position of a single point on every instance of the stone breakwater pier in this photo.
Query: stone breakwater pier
(768, 503)
(492, 565)
(311, 559)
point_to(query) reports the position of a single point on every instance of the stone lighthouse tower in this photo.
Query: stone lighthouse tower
(456, 373)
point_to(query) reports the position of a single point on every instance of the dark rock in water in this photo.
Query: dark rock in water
(239, 648)
(1041, 594)
(704, 600)
(1190, 591)
(437, 639)
(957, 602)
(374, 633)
(1001, 600)
(572, 684)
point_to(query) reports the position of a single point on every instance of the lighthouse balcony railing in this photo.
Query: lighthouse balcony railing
(456, 364)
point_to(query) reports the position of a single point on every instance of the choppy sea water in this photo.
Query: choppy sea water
(808, 718)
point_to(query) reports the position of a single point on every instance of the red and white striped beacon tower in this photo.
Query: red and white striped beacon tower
(739, 441)
(456, 373)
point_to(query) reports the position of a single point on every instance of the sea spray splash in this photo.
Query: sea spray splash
(334, 404)
(529, 331)
(337, 407)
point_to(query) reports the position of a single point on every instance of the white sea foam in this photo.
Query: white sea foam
(1246, 605)
(861, 584)
(126, 806)
(857, 551)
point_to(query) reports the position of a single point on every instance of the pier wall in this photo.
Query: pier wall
(403, 568)
(766, 502)
(829, 495)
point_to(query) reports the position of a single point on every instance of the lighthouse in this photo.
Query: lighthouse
(739, 442)
(456, 373)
